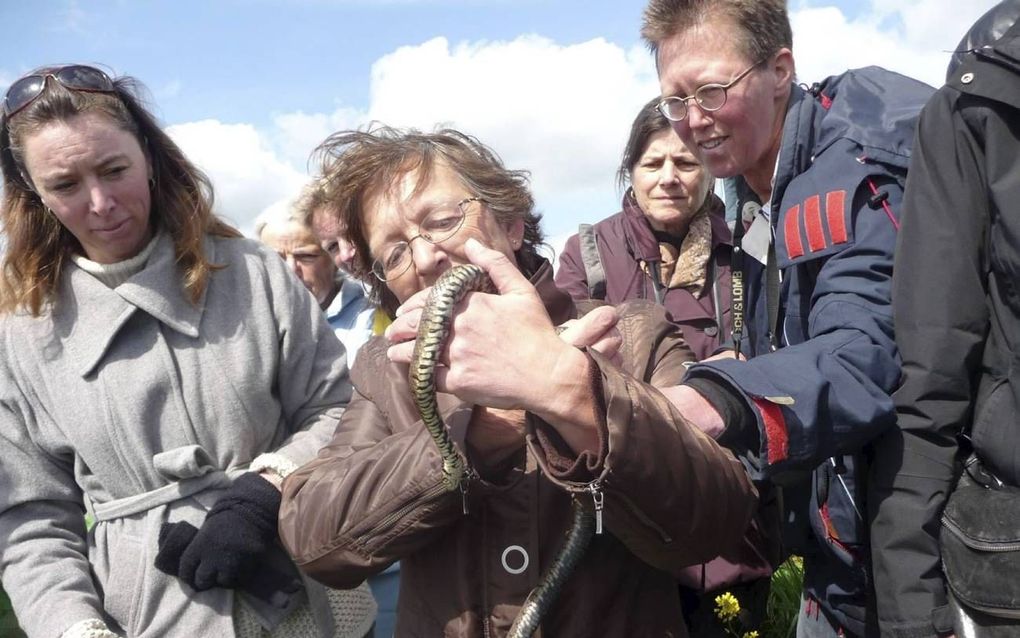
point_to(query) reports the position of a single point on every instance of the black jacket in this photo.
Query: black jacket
(957, 314)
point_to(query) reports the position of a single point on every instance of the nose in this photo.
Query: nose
(429, 259)
(668, 174)
(345, 252)
(101, 202)
(698, 117)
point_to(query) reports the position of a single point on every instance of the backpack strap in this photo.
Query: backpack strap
(593, 270)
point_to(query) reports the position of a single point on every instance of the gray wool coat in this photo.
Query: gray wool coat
(145, 405)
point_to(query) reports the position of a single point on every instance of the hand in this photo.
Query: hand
(503, 351)
(596, 330)
(696, 409)
(725, 354)
(226, 550)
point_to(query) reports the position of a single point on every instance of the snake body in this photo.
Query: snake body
(433, 330)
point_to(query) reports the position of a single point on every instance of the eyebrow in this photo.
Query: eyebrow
(116, 157)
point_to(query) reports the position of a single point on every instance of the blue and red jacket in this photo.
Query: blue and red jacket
(820, 391)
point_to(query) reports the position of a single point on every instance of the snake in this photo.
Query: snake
(433, 331)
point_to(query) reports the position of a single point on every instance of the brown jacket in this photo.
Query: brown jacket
(374, 495)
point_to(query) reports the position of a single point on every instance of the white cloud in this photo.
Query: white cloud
(295, 135)
(247, 175)
(561, 111)
(913, 37)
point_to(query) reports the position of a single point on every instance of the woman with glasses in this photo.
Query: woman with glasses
(670, 244)
(159, 371)
(538, 421)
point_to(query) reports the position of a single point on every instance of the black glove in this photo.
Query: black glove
(226, 550)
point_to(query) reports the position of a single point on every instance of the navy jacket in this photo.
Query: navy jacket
(825, 391)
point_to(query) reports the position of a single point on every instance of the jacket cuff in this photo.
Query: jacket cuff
(741, 433)
(278, 463)
(91, 628)
(560, 461)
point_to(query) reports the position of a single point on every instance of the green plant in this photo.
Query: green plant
(8, 623)
(784, 600)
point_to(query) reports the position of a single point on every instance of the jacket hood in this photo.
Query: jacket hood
(987, 30)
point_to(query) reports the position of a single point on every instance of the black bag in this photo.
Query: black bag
(980, 542)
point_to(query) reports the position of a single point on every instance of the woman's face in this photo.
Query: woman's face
(94, 176)
(393, 215)
(669, 183)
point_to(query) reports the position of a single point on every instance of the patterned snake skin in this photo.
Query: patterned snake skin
(433, 330)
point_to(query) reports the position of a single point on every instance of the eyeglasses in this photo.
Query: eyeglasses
(75, 77)
(710, 97)
(439, 225)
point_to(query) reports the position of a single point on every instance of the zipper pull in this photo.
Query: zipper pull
(597, 497)
(468, 476)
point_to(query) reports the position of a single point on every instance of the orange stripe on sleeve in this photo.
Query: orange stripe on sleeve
(791, 227)
(813, 223)
(775, 430)
(835, 214)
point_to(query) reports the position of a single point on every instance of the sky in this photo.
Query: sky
(248, 88)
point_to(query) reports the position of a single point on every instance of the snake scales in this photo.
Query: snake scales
(433, 330)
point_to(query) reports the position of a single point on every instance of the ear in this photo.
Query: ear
(784, 69)
(515, 232)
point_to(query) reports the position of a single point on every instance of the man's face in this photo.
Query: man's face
(743, 136)
(332, 239)
(300, 249)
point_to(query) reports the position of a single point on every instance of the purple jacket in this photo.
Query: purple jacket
(624, 241)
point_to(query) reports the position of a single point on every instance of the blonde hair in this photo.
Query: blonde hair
(763, 26)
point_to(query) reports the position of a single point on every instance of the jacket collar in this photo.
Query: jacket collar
(641, 239)
(90, 314)
(798, 144)
(557, 303)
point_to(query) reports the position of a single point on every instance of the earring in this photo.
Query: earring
(152, 183)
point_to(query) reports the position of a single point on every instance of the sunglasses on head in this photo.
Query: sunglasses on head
(74, 77)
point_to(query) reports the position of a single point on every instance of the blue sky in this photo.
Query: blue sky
(249, 87)
(241, 60)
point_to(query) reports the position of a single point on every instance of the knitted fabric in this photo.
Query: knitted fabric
(91, 628)
(117, 273)
(353, 610)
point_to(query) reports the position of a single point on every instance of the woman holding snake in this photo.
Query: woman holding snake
(540, 419)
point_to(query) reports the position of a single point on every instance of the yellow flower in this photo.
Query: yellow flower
(726, 606)
(751, 634)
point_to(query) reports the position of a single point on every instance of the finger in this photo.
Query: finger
(401, 352)
(206, 576)
(417, 300)
(609, 345)
(588, 329)
(503, 273)
(174, 538)
(404, 327)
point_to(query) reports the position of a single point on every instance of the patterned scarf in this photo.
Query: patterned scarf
(686, 267)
